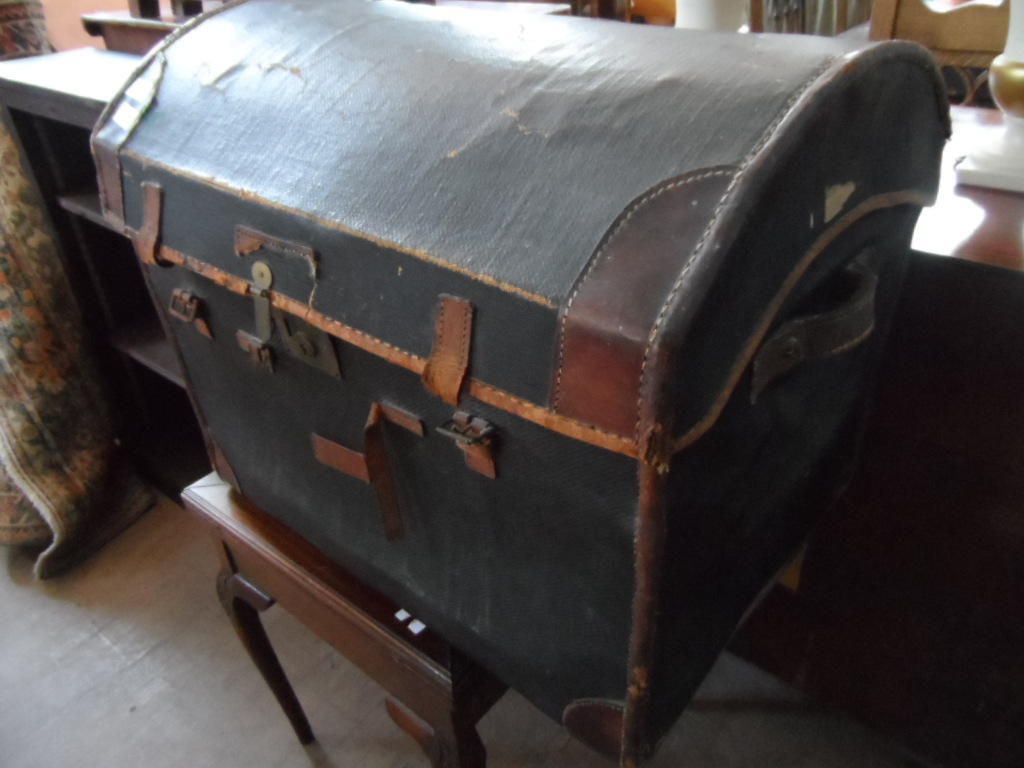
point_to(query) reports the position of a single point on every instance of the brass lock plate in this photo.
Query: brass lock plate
(307, 343)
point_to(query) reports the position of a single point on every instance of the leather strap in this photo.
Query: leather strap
(147, 239)
(446, 369)
(337, 456)
(381, 478)
(816, 337)
(372, 466)
(480, 458)
(249, 240)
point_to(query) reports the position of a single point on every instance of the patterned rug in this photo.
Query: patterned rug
(22, 29)
(63, 484)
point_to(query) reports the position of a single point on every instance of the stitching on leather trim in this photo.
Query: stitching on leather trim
(467, 324)
(486, 393)
(527, 404)
(439, 331)
(223, 278)
(335, 226)
(871, 205)
(587, 703)
(765, 138)
(636, 206)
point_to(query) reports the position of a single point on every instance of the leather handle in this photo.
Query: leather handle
(373, 465)
(816, 337)
(249, 240)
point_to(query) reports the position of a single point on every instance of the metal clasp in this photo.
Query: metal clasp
(475, 437)
(467, 430)
(257, 350)
(188, 308)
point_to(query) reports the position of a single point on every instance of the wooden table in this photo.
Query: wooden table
(435, 693)
(972, 223)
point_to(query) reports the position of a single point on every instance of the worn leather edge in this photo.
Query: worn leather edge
(653, 438)
(106, 157)
(108, 179)
(482, 391)
(147, 238)
(597, 723)
(871, 205)
(605, 321)
(648, 547)
(340, 458)
(337, 227)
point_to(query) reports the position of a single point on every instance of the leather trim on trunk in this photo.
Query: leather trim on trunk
(871, 205)
(607, 319)
(483, 392)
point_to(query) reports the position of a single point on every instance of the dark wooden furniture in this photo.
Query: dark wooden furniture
(435, 693)
(150, 9)
(51, 103)
(126, 33)
(908, 609)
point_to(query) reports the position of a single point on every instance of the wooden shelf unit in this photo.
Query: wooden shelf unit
(51, 103)
(146, 343)
(87, 205)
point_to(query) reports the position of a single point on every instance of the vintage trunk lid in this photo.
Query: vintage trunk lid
(416, 151)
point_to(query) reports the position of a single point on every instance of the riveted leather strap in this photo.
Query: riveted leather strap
(446, 369)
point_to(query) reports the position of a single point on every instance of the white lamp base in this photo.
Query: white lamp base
(1000, 163)
(727, 15)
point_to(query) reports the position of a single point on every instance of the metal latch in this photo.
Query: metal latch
(188, 308)
(258, 351)
(263, 278)
(475, 437)
(307, 343)
(301, 340)
(467, 429)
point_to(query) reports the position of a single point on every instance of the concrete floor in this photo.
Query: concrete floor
(129, 661)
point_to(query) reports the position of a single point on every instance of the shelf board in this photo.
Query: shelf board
(70, 86)
(172, 456)
(87, 205)
(146, 343)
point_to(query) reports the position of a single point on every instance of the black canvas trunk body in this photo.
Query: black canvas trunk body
(557, 331)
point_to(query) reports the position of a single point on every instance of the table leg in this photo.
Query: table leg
(243, 603)
(449, 741)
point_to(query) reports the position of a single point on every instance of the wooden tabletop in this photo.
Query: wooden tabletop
(972, 223)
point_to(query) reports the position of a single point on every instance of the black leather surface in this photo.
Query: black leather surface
(502, 146)
(470, 154)
(880, 135)
(503, 568)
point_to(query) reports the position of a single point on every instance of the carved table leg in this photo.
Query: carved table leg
(449, 742)
(243, 603)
